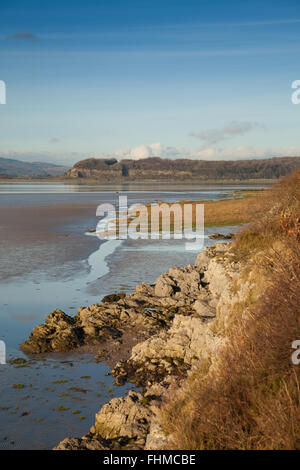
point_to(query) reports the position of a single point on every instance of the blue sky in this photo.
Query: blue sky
(138, 78)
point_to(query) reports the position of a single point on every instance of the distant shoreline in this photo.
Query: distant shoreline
(95, 182)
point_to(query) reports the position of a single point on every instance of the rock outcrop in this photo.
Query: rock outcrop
(163, 169)
(150, 307)
(182, 315)
(221, 236)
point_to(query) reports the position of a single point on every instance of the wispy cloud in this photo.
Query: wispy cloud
(182, 30)
(267, 22)
(156, 53)
(23, 36)
(214, 136)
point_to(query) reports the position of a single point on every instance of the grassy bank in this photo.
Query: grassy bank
(252, 401)
(241, 208)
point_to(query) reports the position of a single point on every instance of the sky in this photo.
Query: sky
(132, 79)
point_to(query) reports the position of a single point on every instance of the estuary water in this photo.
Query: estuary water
(50, 259)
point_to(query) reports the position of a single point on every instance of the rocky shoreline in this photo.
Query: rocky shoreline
(174, 326)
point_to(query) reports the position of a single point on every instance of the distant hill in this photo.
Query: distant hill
(156, 168)
(15, 168)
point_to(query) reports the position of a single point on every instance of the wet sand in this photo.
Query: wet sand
(38, 237)
(39, 232)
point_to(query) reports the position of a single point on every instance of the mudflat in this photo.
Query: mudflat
(33, 236)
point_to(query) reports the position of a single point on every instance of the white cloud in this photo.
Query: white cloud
(158, 150)
(208, 153)
(155, 149)
(243, 152)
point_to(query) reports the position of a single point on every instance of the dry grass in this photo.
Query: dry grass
(242, 208)
(254, 400)
(277, 218)
(233, 211)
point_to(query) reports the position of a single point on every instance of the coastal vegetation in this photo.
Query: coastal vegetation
(238, 209)
(252, 401)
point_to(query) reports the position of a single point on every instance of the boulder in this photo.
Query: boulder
(203, 309)
(59, 332)
(221, 236)
(83, 443)
(123, 417)
(164, 286)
